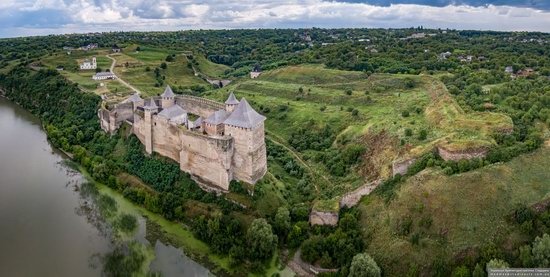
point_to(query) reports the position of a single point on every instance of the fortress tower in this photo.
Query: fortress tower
(136, 101)
(231, 103)
(225, 143)
(246, 126)
(167, 98)
(149, 109)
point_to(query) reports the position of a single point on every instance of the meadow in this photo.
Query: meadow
(385, 113)
(434, 216)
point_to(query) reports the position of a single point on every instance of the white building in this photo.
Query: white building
(104, 76)
(88, 65)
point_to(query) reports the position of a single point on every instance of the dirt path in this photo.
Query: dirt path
(274, 138)
(302, 268)
(112, 69)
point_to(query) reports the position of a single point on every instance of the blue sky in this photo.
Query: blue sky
(40, 17)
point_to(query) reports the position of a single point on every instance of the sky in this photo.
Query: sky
(42, 17)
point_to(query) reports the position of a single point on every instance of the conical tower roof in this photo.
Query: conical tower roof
(232, 100)
(244, 116)
(167, 92)
(151, 104)
(217, 118)
(134, 98)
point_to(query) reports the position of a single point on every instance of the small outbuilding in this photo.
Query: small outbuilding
(325, 212)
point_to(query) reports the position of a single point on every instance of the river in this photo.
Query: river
(45, 223)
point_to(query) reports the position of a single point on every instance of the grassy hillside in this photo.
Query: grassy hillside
(437, 216)
(84, 78)
(137, 68)
(385, 113)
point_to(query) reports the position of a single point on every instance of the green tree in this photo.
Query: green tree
(461, 271)
(163, 65)
(478, 271)
(497, 264)
(261, 239)
(526, 256)
(282, 221)
(363, 265)
(541, 251)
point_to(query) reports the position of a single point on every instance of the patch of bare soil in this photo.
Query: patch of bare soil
(382, 150)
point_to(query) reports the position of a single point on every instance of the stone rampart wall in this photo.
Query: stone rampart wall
(249, 160)
(323, 218)
(199, 106)
(207, 157)
(123, 112)
(448, 155)
(401, 166)
(351, 199)
(196, 154)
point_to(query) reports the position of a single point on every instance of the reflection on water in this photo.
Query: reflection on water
(172, 262)
(50, 223)
(40, 233)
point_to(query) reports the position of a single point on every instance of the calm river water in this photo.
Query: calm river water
(45, 229)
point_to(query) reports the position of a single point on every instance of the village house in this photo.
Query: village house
(256, 72)
(89, 47)
(525, 72)
(444, 56)
(89, 65)
(104, 76)
(116, 49)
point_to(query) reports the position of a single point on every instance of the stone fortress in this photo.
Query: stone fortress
(213, 142)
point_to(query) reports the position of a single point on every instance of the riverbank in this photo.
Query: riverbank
(178, 235)
(70, 122)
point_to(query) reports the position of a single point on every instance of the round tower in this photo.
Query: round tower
(167, 98)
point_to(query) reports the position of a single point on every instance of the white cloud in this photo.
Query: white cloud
(92, 15)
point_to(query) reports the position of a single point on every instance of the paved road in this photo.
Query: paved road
(112, 69)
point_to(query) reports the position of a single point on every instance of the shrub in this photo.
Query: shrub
(126, 223)
(497, 264)
(423, 134)
(363, 265)
(541, 251)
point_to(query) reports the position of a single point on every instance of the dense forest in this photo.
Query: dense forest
(252, 234)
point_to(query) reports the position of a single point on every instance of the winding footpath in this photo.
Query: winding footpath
(112, 69)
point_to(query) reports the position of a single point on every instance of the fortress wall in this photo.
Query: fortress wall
(139, 128)
(323, 218)
(199, 106)
(166, 138)
(259, 154)
(401, 167)
(207, 157)
(123, 112)
(448, 155)
(242, 162)
(249, 160)
(104, 117)
(197, 154)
